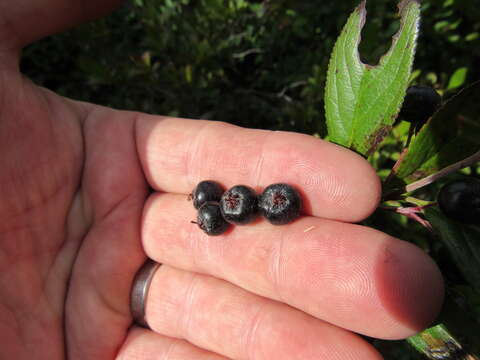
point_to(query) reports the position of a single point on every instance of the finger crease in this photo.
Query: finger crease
(251, 346)
(275, 268)
(185, 320)
(170, 348)
(191, 155)
(260, 160)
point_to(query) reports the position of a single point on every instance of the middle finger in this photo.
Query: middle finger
(349, 275)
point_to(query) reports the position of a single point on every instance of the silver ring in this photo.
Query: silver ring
(140, 287)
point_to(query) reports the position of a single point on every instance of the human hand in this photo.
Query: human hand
(78, 218)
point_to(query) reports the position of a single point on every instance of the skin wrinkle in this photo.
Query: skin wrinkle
(211, 255)
(137, 121)
(11, 309)
(33, 203)
(192, 155)
(12, 323)
(173, 344)
(97, 117)
(251, 348)
(32, 316)
(86, 206)
(261, 159)
(60, 179)
(103, 298)
(194, 245)
(188, 307)
(277, 266)
(20, 250)
(119, 310)
(112, 209)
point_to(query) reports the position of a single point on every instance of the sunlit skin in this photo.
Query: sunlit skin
(87, 193)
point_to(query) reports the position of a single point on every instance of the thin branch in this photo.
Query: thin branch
(444, 172)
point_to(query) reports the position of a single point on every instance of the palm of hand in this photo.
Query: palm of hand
(57, 184)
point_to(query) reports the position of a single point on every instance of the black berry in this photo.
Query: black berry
(210, 220)
(419, 104)
(207, 190)
(460, 200)
(280, 204)
(239, 205)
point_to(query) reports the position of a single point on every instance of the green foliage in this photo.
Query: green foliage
(363, 102)
(462, 241)
(452, 135)
(253, 63)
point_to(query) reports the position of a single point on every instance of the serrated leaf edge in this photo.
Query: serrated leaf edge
(331, 103)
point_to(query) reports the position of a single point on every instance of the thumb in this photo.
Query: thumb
(24, 21)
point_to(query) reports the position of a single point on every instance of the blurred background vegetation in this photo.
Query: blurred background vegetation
(262, 64)
(249, 62)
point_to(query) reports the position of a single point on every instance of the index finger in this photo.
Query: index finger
(177, 153)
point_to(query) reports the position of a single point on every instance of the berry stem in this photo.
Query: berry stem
(419, 202)
(412, 212)
(411, 131)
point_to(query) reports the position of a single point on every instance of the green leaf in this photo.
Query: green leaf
(458, 78)
(462, 242)
(451, 135)
(362, 101)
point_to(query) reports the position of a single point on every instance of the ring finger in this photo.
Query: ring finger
(216, 315)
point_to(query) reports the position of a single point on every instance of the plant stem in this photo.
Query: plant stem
(434, 177)
(445, 171)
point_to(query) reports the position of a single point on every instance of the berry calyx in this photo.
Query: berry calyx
(239, 205)
(206, 190)
(280, 204)
(419, 104)
(460, 200)
(210, 219)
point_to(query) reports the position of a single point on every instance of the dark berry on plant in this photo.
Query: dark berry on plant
(419, 104)
(206, 190)
(239, 205)
(280, 204)
(460, 200)
(210, 219)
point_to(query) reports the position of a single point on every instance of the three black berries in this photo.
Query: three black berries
(240, 205)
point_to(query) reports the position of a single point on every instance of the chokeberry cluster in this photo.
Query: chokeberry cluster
(240, 205)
